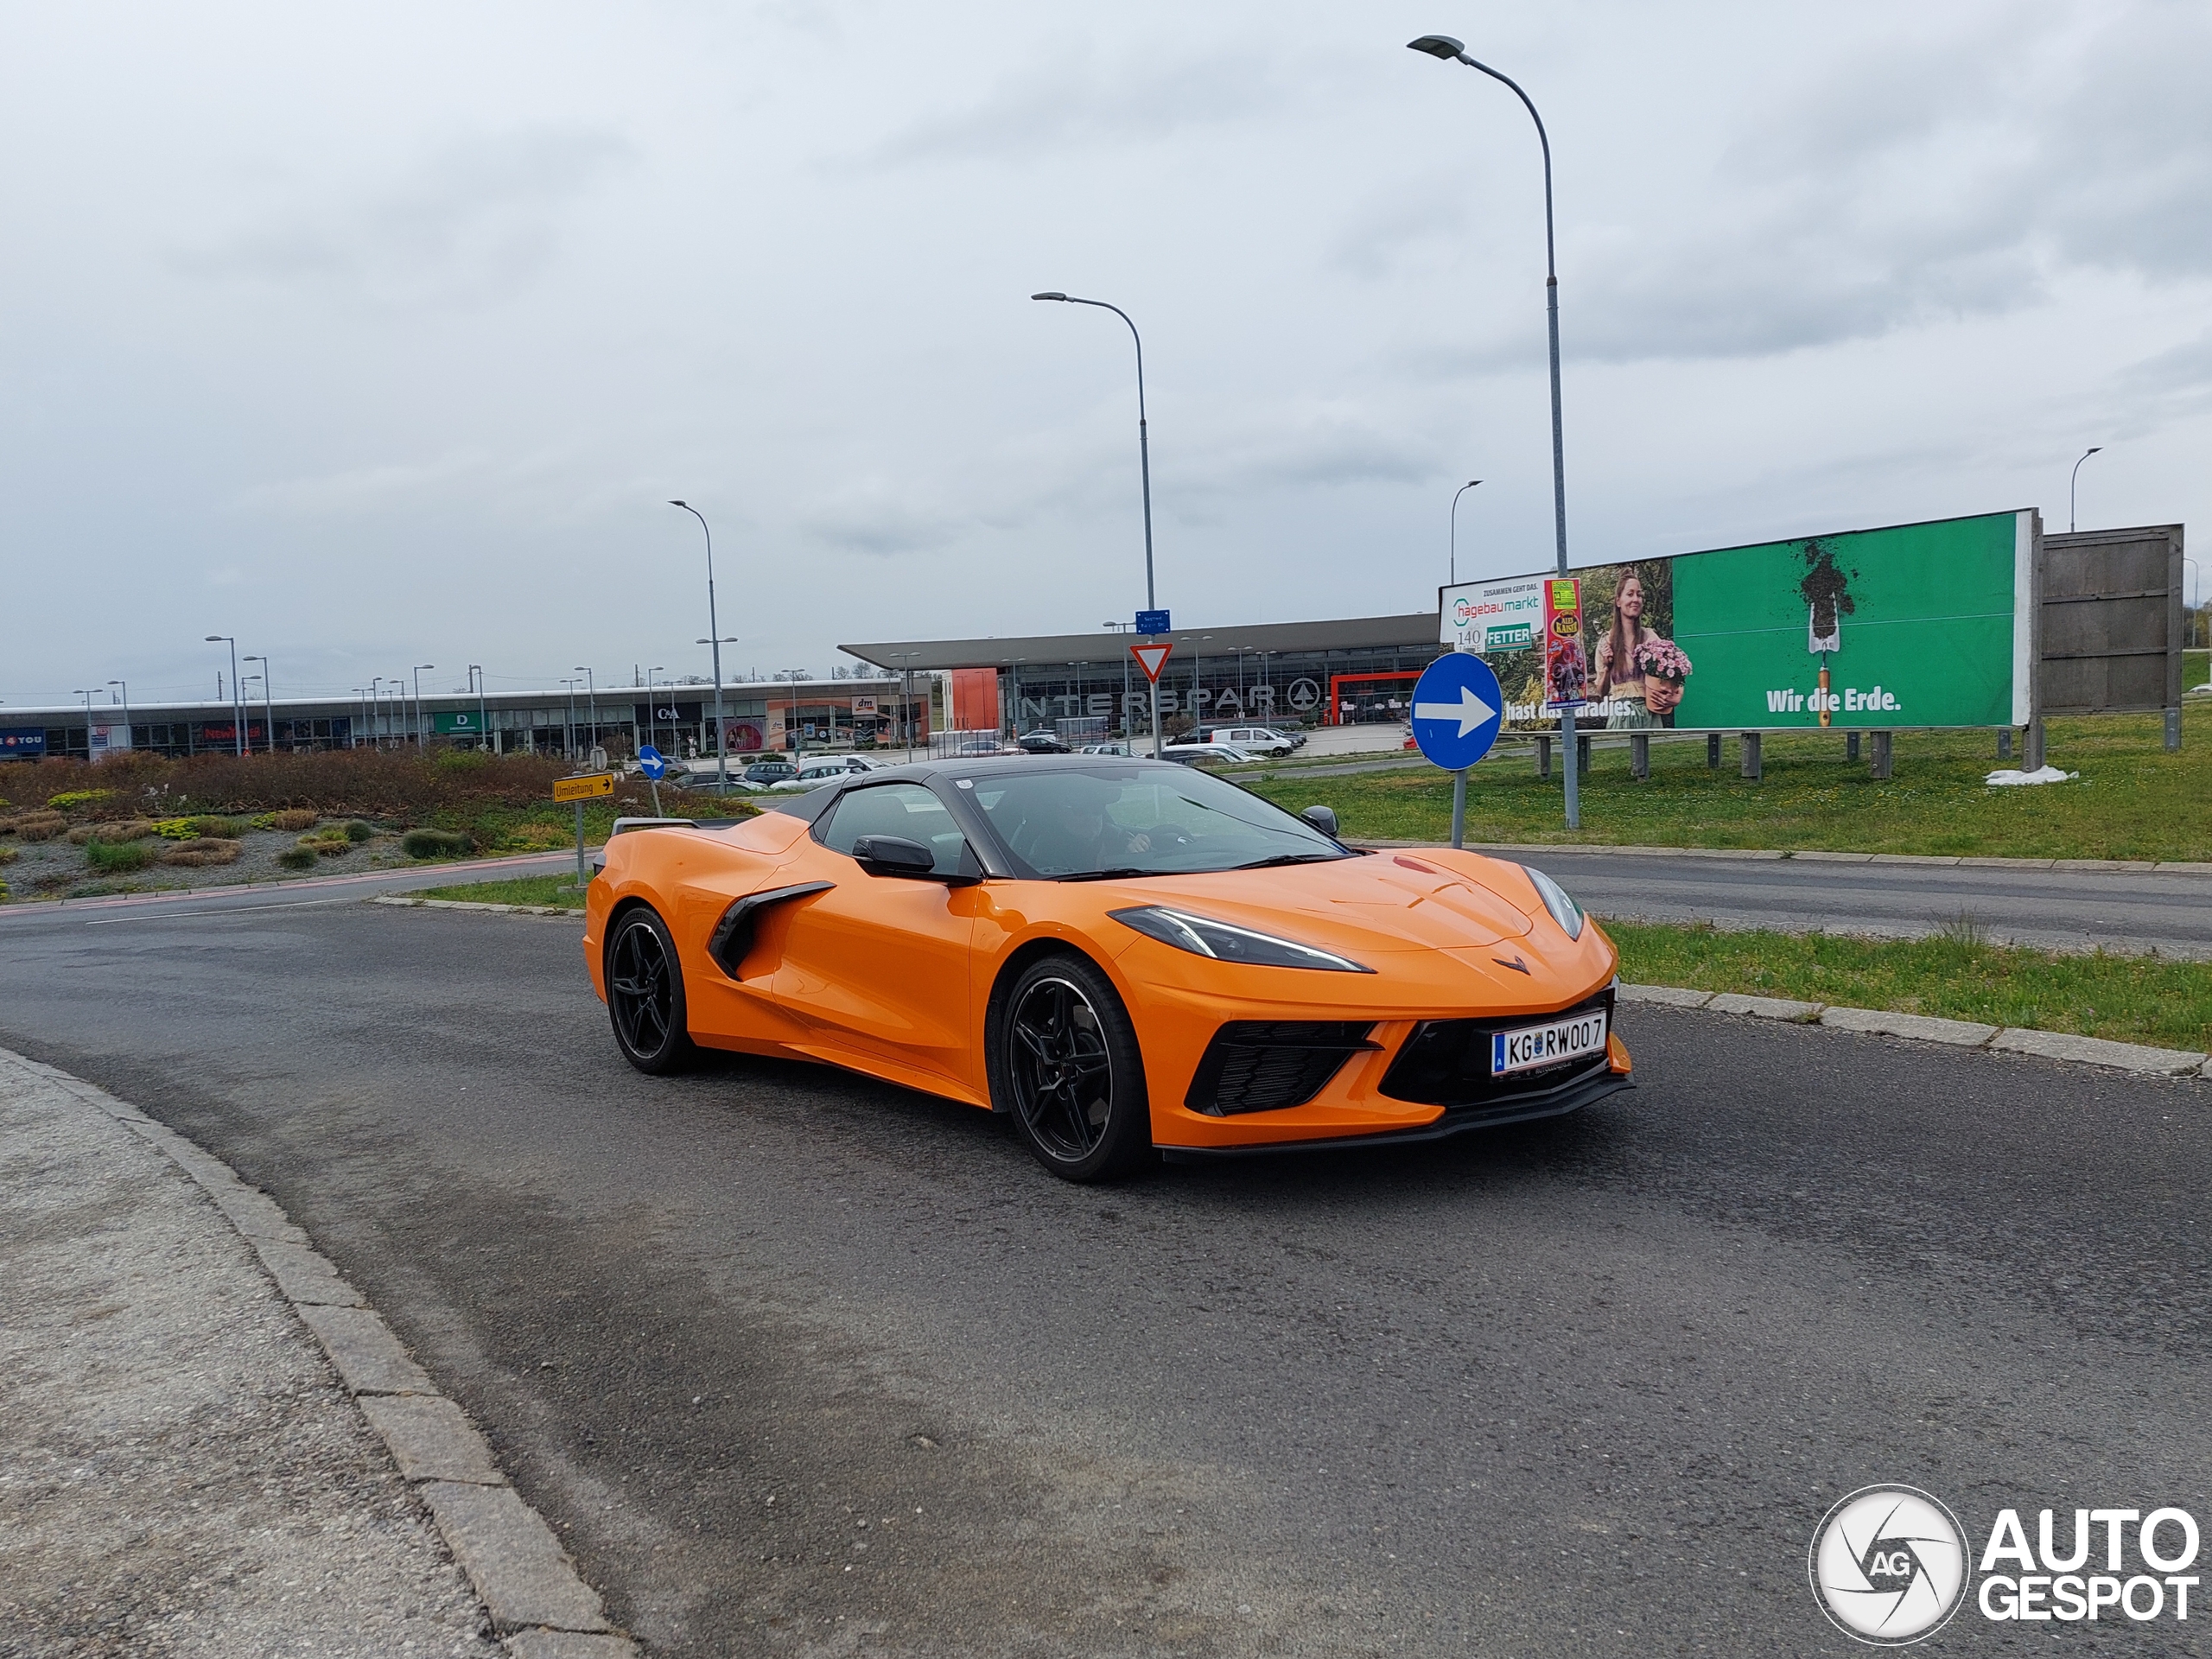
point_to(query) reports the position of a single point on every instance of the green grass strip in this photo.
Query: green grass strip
(1955, 976)
(2132, 799)
(520, 890)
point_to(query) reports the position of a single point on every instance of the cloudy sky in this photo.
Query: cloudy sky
(380, 336)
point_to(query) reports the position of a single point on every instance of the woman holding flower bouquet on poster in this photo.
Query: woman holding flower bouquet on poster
(1638, 667)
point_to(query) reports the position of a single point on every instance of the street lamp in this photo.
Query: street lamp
(593, 684)
(1144, 465)
(2071, 477)
(354, 737)
(126, 715)
(1461, 491)
(714, 628)
(906, 659)
(268, 701)
(419, 667)
(1443, 46)
(653, 706)
(237, 721)
(483, 714)
(568, 732)
(87, 696)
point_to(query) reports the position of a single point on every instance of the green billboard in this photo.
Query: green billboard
(469, 724)
(1923, 625)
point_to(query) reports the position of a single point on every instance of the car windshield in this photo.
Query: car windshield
(1144, 820)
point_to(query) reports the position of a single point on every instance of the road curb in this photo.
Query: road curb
(409, 901)
(539, 1606)
(2137, 1058)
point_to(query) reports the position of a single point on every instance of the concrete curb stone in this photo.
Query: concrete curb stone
(409, 901)
(538, 1604)
(1766, 1007)
(1926, 1028)
(2099, 1051)
(2139, 1058)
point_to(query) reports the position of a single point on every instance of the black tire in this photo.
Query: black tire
(1065, 1066)
(645, 994)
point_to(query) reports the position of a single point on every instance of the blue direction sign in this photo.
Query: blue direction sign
(1152, 622)
(654, 764)
(1458, 709)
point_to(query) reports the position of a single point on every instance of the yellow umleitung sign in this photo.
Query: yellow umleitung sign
(580, 789)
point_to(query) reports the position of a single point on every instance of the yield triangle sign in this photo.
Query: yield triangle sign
(1152, 658)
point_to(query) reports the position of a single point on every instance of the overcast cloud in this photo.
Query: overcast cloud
(380, 337)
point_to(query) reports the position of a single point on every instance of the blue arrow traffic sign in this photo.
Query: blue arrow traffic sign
(1458, 709)
(651, 762)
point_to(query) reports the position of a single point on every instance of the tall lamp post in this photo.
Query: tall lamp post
(591, 685)
(419, 667)
(1455, 494)
(1144, 467)
(87, 696)
(238, 719)
(268, 701)
(126, 715)
(483, 714)
(1444, 46)
(2071, 479)
(906, 661)
(714, 628)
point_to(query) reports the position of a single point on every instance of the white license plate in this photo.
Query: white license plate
(1547, 1045)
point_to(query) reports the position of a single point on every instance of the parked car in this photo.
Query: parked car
(773, 770)
(1217, 754)
(1256, 740)
(822, 769)
(1040, 743)
(1104, 749)
(981, 749)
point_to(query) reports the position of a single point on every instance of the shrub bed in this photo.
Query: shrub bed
(210, 850)
(118, 857)
(301, 857)
(434, 843)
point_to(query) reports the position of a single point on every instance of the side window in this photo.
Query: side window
(904, 810)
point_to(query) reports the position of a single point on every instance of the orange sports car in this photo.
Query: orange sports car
(1127, 957)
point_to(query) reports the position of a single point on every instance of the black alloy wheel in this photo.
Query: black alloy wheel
(645, 994)
(1071, 1071)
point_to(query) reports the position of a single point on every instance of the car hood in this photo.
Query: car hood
(1382, 902)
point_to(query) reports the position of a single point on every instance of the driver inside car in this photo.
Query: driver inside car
(1076, 835)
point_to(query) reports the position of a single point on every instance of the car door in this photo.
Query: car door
(878, 966)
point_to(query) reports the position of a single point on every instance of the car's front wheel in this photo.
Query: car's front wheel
(1068, 1070)
(645, 994)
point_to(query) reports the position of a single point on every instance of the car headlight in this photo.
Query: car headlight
(1564, 910)
(1203, 937)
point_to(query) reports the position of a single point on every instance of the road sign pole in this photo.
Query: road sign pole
(580, 877)
(1155, 720)
(1459, 808)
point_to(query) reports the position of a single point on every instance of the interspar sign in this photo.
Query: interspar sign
(1911, 626)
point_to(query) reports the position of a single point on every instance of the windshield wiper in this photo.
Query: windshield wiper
(1289, 858)
(1119, 873)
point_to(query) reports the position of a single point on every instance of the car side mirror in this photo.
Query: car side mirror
(895, 855)
(1323, 818)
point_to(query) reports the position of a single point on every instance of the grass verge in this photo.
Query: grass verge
(2128, 999)
(522, 890)
(2132, 800)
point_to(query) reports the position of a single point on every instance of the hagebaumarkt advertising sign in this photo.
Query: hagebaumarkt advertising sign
(1913, 625)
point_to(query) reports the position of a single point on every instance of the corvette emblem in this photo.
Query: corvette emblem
(1516, 964)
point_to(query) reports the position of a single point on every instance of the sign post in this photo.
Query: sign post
(655, 767)
(1152, 658)
(1457, 709)
(581, 790)
(1152, 622)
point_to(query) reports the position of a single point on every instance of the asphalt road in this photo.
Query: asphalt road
(799, 1363)
(2067, 910)
(2136, 911)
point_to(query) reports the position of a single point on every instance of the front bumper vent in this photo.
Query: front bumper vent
(1447, 1062)
(1265, 1065)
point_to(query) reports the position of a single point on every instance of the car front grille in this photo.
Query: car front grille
(1447, 1062)
(1264, 1065)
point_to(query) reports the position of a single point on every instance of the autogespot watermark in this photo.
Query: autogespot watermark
(1891, 1564)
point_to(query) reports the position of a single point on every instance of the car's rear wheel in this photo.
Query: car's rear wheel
(645, 994)
(1070, 1073)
